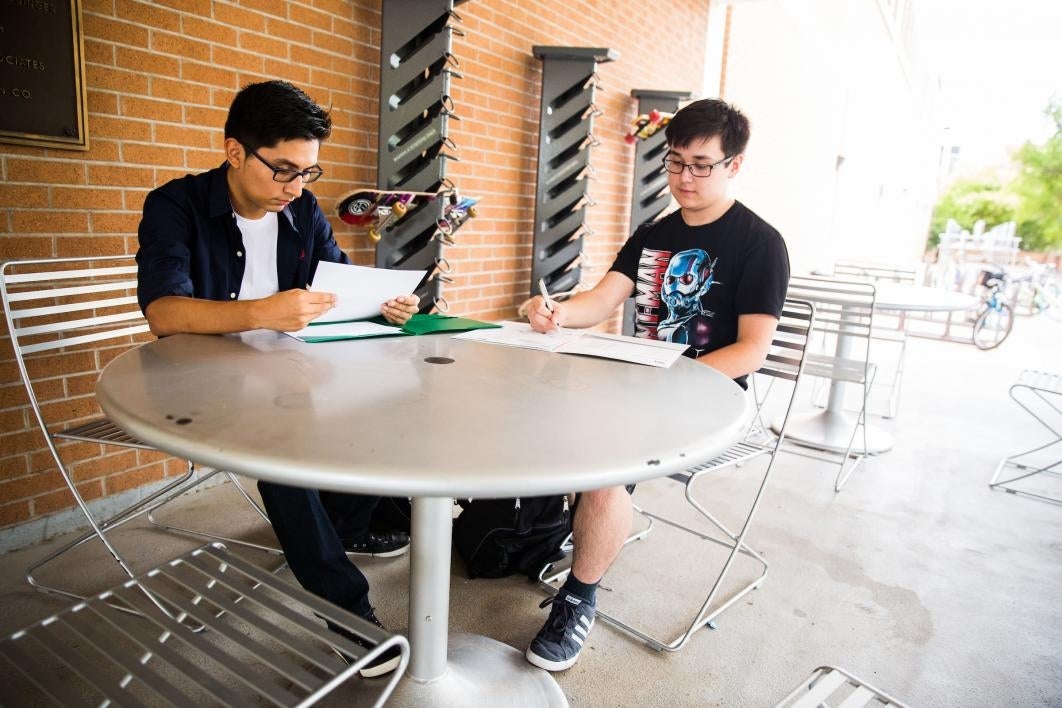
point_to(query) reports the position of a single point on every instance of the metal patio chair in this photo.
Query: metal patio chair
(82, 310)
(844, 315)
(895, 330)
(1039, 393)
(785, 361)
(831, 686)
(263, 644)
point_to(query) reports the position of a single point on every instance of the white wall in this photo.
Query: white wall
(844, 150)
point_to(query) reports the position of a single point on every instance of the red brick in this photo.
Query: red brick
(209, 74)
(49, 221)
(14, 513)
(112, 30)
(48, 171)
(238, 17)
(62, 499)
(86, 198)
(119, 175)
(152, 154)
(134, 107)
(148, 14)
(147, 62)
(92, 245)
(131, 479)
(23, 196)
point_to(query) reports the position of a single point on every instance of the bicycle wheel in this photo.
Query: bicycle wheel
(993, 326)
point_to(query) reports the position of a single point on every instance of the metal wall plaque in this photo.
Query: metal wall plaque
(42, 70)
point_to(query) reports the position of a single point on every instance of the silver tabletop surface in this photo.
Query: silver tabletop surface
(376, 416)
(432, 418)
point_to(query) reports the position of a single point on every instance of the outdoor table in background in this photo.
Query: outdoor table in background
(431, 418)
(831, 428)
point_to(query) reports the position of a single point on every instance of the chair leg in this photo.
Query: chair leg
(846, 471)
(99, 530)
(734, 541)
(897, 380)
(275, 550)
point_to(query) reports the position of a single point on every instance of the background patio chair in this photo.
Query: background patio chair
(263, 644)
(830, 686)
(1039, 393)
(891, 329)
(844, 315)
(785, 361)
(83, 311)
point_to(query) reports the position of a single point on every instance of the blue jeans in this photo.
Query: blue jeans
(310, 525)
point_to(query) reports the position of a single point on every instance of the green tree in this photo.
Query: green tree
(1038, 188)
(967, 201)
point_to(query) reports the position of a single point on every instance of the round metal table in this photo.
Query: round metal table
(431, 418)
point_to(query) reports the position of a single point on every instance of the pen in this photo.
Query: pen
(546, 299)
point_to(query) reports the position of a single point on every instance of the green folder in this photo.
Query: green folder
(432, 324)
(417, 324)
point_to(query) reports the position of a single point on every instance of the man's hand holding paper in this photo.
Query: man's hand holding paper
(361, 293)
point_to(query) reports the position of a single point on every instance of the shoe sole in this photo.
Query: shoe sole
(373, 671)
(548, 665)
(381, 669)
(386, 554)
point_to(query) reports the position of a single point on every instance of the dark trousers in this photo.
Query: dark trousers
(310, 525)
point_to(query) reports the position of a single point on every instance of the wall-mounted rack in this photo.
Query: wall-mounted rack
(569, 84)
(650, 196)
(417, 66)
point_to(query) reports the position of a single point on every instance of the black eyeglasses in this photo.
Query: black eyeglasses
(675, 167)
(284, 174)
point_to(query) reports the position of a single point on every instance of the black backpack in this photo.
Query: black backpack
(501, 537)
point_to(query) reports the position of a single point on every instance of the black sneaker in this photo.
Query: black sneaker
(560, 640)
(385, 663)
(381, 544)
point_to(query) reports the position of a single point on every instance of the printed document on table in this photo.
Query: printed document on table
(343, 330)
(359, 290)
(609, 346)
(636, 350)
(520, 334)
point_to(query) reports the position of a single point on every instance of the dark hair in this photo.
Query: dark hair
(705, 119)
(266, 113)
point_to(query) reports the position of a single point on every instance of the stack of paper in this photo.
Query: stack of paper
(565, 341)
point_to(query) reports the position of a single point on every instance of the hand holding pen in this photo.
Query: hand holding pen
(543, 314)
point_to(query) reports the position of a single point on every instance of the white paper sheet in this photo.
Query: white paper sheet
(359, 290)
(345, 330)
(565, 341)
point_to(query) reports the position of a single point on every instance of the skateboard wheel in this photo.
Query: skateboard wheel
(399, 209)
(374, 234)
(473, 212)
(654, 116)
(630, 139)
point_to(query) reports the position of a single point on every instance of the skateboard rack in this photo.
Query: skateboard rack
(416, 108)
(569, 83)
(650, 195)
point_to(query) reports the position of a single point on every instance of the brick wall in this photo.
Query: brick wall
(160, 76)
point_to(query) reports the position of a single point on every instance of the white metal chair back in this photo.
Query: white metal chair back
(876, 272)
(844, 315)
(60, 306)
(786, 360)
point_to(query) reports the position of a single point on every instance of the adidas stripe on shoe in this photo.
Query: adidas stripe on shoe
(558, 643)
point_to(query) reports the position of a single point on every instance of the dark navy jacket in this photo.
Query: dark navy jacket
(190, 244)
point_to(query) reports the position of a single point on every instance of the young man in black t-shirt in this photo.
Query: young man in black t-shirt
(712, 275)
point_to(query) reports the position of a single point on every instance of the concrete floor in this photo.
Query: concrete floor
(916, 577)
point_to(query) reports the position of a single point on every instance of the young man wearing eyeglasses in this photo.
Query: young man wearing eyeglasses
(712, 275)
(233, 249)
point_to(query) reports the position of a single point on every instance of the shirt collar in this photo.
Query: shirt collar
(220, 204)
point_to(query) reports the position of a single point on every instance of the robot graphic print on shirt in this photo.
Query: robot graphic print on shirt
(688, 278)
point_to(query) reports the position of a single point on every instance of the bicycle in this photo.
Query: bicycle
(995, 317)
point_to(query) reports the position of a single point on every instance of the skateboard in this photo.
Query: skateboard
(380, 210)
(646, 125)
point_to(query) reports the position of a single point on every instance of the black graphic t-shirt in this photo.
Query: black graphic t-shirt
(691, 283)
